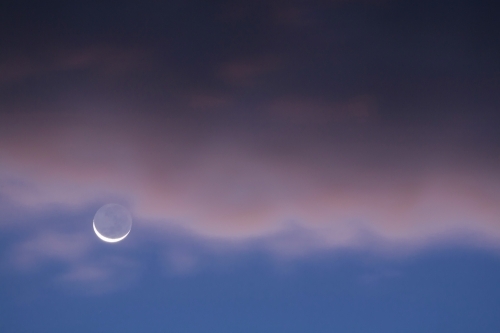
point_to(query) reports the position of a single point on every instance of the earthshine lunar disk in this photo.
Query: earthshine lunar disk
(112, 223)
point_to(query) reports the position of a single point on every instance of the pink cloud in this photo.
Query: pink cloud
(104, 59)
(246, 71)
(239, 190)
(301, 111)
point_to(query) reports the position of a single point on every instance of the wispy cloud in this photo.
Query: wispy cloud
(246, 71)
(80, 267)
(106, 60)
(181, 262)
(244, 189)
(56, 247)
(97, 276)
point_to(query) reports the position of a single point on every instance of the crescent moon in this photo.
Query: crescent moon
(107, 239)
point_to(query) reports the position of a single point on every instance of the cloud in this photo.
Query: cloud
(300, 111)
(85, 273)
(246, 71)
(107, 60)
(181, 262)
(240, 191)
(50, 246)
(79, 266)
(206, 101)
(243, 145)
(98, 276)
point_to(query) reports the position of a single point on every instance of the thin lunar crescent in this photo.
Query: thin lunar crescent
(112, 223)
(106, 239)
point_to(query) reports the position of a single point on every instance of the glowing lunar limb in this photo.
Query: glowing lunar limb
(112, 223)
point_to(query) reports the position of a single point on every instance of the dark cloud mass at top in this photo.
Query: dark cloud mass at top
(235, 117)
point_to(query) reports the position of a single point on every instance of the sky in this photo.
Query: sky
(290, 166)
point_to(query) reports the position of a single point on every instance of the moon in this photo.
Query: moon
(112, 223)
